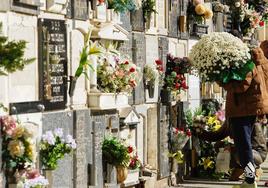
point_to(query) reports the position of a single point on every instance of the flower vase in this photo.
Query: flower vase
(165, 96)
(122, 173)
(49, 176)
(150, 88)
(73, 81)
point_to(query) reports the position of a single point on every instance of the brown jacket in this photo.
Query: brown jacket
(250, 96)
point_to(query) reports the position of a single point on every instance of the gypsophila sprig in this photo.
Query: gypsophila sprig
(218, 54)
(54, 146)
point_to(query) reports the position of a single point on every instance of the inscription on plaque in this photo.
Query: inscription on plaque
(53, 63)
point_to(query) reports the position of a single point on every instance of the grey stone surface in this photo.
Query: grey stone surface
(139, 58)
(83, 154)
(25, 6)
(125, 48)
(163, 49)
(163, 131)
(80, 9)
(63, 175)
(125, 19)
(137, 21)
(4, 5)
(173, 18)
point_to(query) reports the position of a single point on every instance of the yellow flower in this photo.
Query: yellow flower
(27, 133)
(18, 132)
(207, 163)
(208, 14)
(16, 148)
(200, 9)
(30, 151)
(216, 127)
(211, 120)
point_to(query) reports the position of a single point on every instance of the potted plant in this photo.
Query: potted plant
(115, 7)
(18, 150)
(53, 147)
(150, 75)
(116, 153)
(198, 13)
(148, 7)
(90, 49)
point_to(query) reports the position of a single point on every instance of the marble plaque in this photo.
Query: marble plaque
(80, 9)
(163, 141)
(62, 120)
(25, 6)
(163, 44)
(82, 155)
(137, 20)
(173, 18)
(139, 58)
(125, 19)
(162, 16)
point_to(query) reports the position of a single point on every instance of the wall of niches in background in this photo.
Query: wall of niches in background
(139, 58)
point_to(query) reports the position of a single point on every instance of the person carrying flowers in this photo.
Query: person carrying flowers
(225, 59)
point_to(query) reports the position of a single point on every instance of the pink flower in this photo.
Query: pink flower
(133, 83)
(8, 124)
(32, 174)
(221, 115)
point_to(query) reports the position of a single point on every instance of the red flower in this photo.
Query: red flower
(188, 133)
(130, 149)
(158, 62)
(132, 69)
(181, 129)
(160, 68)
(261, 23)
(178, 76)
(177, 85)
(101, 1)
(126, 63)
(183, 84)
(32, 174)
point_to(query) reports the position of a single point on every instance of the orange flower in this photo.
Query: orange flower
(200, 9)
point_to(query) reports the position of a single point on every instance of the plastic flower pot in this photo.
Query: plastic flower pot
(150, 87)
(165, 95)
(49, 176)
(73, 81)
(122, 173)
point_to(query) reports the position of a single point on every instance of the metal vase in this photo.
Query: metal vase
(73, 81)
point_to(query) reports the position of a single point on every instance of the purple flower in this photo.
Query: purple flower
(58, 132)
(49, 138)
(70, 141)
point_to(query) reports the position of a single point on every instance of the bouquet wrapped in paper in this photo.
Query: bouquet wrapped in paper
(221, 57)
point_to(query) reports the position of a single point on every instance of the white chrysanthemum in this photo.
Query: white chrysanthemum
(218, 51)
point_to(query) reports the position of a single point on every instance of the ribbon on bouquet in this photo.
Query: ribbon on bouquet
(236, 74)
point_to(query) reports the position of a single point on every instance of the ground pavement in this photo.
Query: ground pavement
(223, 183)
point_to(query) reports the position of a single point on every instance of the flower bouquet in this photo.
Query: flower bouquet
(178, 140)
(221, 57)
(32, 179)
(199, 12)
(18, 149)
(54, 146)
(122, 77)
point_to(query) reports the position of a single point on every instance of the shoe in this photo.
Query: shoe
(235, 174)
(246, 185)
(259, 173)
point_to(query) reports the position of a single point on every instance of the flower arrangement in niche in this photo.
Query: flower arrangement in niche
(220, 56)
(247, 16)
(150, 73)
(32, 179)
(124, 76)
(18, 149)
(54, 146)
(178, 140)
(134, 162)
(115, 152)
(176, 69)
(198, 12)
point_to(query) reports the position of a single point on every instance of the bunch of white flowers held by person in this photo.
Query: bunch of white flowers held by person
(221, 57)
(54, 146)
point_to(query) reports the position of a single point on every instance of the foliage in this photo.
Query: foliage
(150, 73)
(148, 7)
(121, 6)
(175, 79)
(11, 55)
(18, 150)
(90, 49)
(53, 147)
(115, 152)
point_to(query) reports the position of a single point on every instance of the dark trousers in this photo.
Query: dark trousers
(242, 129)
